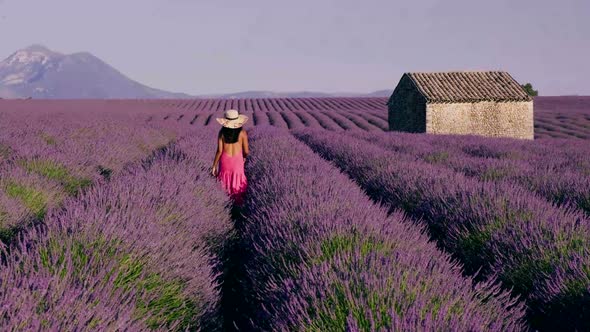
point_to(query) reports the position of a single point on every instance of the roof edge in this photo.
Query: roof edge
(530, 98)
(416, 86)
(415, 78)
(471, 101)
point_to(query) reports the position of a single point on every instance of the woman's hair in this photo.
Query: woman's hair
(230, 135)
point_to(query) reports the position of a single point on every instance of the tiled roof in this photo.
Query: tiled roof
(468, 86)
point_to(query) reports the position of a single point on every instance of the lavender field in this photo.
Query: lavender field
(562, 117)
(110, 220)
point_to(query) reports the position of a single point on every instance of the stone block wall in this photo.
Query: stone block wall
(493, 119)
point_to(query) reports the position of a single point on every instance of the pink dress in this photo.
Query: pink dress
(232, 176)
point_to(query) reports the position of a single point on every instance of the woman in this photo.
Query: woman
(232, 150)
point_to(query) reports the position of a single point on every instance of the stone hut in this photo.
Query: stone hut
(487, 103)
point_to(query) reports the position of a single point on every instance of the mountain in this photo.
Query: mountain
(40, 73)
(380, 93)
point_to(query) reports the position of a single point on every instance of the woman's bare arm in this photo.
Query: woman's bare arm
(245, 148)
(214, 168)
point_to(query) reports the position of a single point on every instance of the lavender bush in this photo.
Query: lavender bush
(325, 121)
(48, 156)
(24, 198)
(57, 282)
(494, 228)
(275, 119)
(539, 167)
(293, 122)
(147, 242)
(260, 118)
(308, 120)
(322, 257)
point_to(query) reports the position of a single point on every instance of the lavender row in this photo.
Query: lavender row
(80, 141)
(331, 120)
(322, 257)
(543, 174)
(562, 117)
(274, 104)
(551, 154)
(49, 156)
(138, 253)
(494, 228)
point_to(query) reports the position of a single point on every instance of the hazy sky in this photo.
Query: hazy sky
(219, 46)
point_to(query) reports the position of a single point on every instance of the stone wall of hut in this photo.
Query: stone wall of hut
(494, 119)
(407, 108)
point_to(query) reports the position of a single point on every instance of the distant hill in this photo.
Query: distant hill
(266, 94)
(302, 94)
(40, 73)
(380, 93)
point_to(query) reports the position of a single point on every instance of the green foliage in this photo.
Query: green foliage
(33, 199)
(336, 319)
(166, 303)
(523, 276)
(473, 244)
(50, 140)
(4, 151)
(7, 234)
(53, 255)
(3, 216)
(336, 308)
(528, 87)
(345, 244)
(333, 315)
(62, 255)
(437, 157)
(59, 173)
(169, 306)
(162, 300)
(576, 287)
(494, 174)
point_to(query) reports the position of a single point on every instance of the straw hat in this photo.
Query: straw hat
(232, 119)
